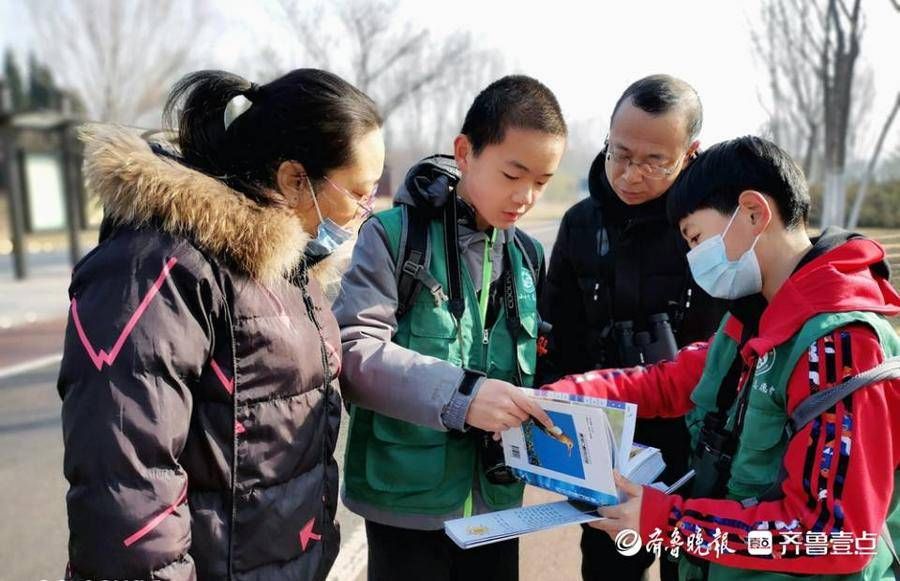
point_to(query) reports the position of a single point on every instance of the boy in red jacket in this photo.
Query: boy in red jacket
(807, 315)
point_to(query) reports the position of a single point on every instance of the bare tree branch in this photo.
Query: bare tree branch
(390, 61)
(819, 97)
(120, 58)
(314, 42)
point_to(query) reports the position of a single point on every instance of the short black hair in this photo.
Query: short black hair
(660, 94)
(515, 101)
(718, 176)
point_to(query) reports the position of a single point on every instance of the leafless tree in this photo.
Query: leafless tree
(842, 28)
(119, 56)
(389, 59)
(811, 49)
(432, 119)
(793, 104)
(869, 173)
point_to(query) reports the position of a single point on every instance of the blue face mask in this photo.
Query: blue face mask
(329, 236)
(720, 277)
(327, 240)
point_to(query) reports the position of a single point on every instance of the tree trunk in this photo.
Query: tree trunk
(833, 198)
(812, 141)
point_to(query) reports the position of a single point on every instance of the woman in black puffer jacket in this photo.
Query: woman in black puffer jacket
(200, 403)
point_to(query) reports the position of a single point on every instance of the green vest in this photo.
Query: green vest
(763, 442)
(406, 468)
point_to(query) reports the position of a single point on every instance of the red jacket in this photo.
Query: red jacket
(850, 277)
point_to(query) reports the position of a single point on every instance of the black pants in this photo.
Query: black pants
(397, 554)
(599, 558)
(600, 561)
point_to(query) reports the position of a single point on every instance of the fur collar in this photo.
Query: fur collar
(137, 186)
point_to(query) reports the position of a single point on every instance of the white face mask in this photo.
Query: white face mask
(723, 278)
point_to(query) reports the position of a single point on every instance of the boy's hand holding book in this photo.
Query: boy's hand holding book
(625, 515)
(499, 406)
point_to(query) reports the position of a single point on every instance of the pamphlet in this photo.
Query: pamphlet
(590, 437)
(576, 457)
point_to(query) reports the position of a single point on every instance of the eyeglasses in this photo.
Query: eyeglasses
(364, 204)
(648, 170)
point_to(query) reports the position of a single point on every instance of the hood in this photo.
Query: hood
(428, 184)
(613, 207)
(843, 272)
(138, 187)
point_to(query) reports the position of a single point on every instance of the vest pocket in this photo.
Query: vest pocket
(432, 330)
(759, 455)
(404, 457)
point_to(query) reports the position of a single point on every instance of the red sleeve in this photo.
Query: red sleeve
(840, 474)
(660, 390)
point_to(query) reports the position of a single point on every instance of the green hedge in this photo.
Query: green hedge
(880, 210)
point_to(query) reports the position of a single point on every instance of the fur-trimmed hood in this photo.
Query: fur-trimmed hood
(136, 186)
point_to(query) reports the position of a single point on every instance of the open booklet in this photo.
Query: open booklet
(575, 458)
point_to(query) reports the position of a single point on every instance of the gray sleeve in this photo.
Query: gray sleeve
(377, 374)
(454, 414)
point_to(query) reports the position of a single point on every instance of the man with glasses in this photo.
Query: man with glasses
(619, 292)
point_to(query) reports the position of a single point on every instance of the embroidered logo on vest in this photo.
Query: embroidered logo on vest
(765, 363)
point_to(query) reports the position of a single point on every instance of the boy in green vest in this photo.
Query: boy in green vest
(439, 323)
(780, 488)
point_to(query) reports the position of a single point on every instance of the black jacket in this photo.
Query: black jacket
(613, 262)
(200, 406)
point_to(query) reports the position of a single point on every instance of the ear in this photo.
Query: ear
(292, 182)
(462, 147)
(692, 150)
(757, 206)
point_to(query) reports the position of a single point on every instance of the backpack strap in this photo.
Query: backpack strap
(457, 304)
(531, 253)
(531, 258)
(413, 259)
(511, 302)
(817, 404)
(415, 251)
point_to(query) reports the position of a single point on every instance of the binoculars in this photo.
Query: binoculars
(492, 462)
(655, 344)
(712, 458)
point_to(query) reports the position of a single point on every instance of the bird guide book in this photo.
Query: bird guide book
(589, 438)
(576, 457)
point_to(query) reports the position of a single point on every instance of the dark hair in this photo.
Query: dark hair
(660, 94)
(308, 115)
(718, 176)
(515, 101)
